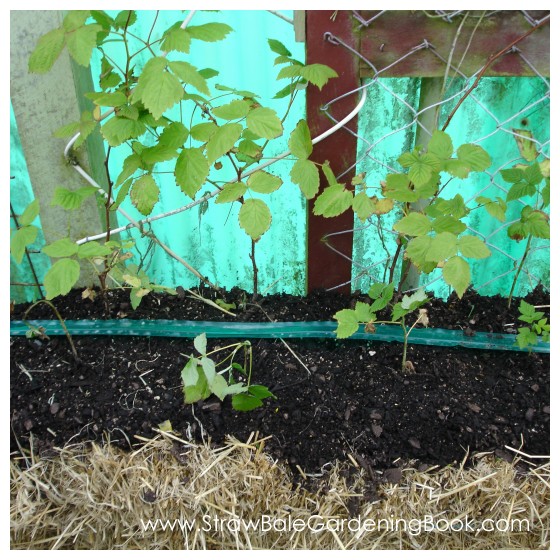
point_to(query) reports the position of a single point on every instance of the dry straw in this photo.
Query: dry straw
(99, 497)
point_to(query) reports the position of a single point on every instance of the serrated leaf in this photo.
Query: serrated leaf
(300, 141)
(67, 130)
(537, 225)
(533, 174)
(158, 153)
(126, 18)
(61, 277)
(255, 218)
(219, 387)
(408, 159)
(263, 182)
(81, 42)
(457, 168)
(71, 200)
(29, 214)
(513, 175)
(457, 274)
(144, 194)
(363, 205)
(119, 129)
(382, 205)
(47, 51)
(397, 187)
(410, 303)
(191, 170)
(526, 144)
(305, 174)
(236, 109)
(245, 403)
(200, 343)
(130, 165)
(422, 171)
(208, 73)
(264, 123)
(382, 294)
(347, 323)
(93, 249)
(545, 193)
(474, 156)
(333, 201)
(363, 312)
(414, 224)
(442, 246)
(177, 39)
(278, 47)
(231, 192)
(473, 247)
(22, 238)
(209, 32)
(317, 74)
(74, 19)
(174, 135)
(61, 248)
(107, 99)
(223, 140)
(260, 391)
(189, 74)
(519, 190)
(292, 71)
(517, 231)
(496, 208)
(158, 89)
(203, 131)
(418, 248)
(448, 223)
(440, 144)
(526, 338)
(209, 368)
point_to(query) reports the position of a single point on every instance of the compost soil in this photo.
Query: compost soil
(334, 399)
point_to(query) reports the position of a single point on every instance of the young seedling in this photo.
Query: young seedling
(202, 378)
(366, 314)
(527, 337)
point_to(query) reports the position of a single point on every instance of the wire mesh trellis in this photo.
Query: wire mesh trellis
(493, 115)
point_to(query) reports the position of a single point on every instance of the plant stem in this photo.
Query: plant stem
(62, 324)
(255, 271)
(405, 344)
(519, 268)
(395, 259)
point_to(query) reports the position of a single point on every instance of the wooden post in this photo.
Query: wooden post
(326, 268)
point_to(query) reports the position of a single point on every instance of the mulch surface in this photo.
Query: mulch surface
(355, 400)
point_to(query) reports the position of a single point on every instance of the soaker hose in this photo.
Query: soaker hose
(310, 329)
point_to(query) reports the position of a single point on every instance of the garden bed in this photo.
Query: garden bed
(335, 399)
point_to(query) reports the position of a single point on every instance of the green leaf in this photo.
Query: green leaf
(176, 40)
(93, 249)
(418, 248)
(209, 32)
(126, 18)
(442, 246)
(47, 51)
(71, 200)
(363, 205)
(219, 387)
(329, 175)
(61, 248)
(526, 338)
(300, 141)
(398, 312)
(333, 201)
(61, 277)
(264, 123)
(74, 19)
(474, 156)
(144, 194)
(517, 231)
(408, 159)
(317, 74)
(158, 89)
(119, 129)
(263, 182)
(519, 190)
(245, 403)
(496, 208)
(103, 19)
(123, 192)
(305, 174)
(418, 298)
(473, 247)
(537, 225)
(545, 193)
(397, 187)
(200, 343)
(189, 75)
(278, 47)
(526, 144)
(203, 131)
(363, 312)
(22, 238)
(174, 136)
(347, 323)
(457, 274)
(422, 171)
(448, 223)
(414, 224)
(293, 71)
(382, 294)
(208, 73)
(157, 154)
(260, 391)
(527, 310)
(255, 218)
(236, 109)
(130, 165)
(231, 192)
(533, 174)
(441, 145)
(457, 168)
(81, 43)
(107, 99)
(223, 140)
(513, 175)
(191, 170)
(29, 214)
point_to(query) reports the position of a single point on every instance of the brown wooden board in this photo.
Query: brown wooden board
(326, 268)
(393, 34)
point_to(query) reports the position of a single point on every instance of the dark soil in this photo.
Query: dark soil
(355, 402)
